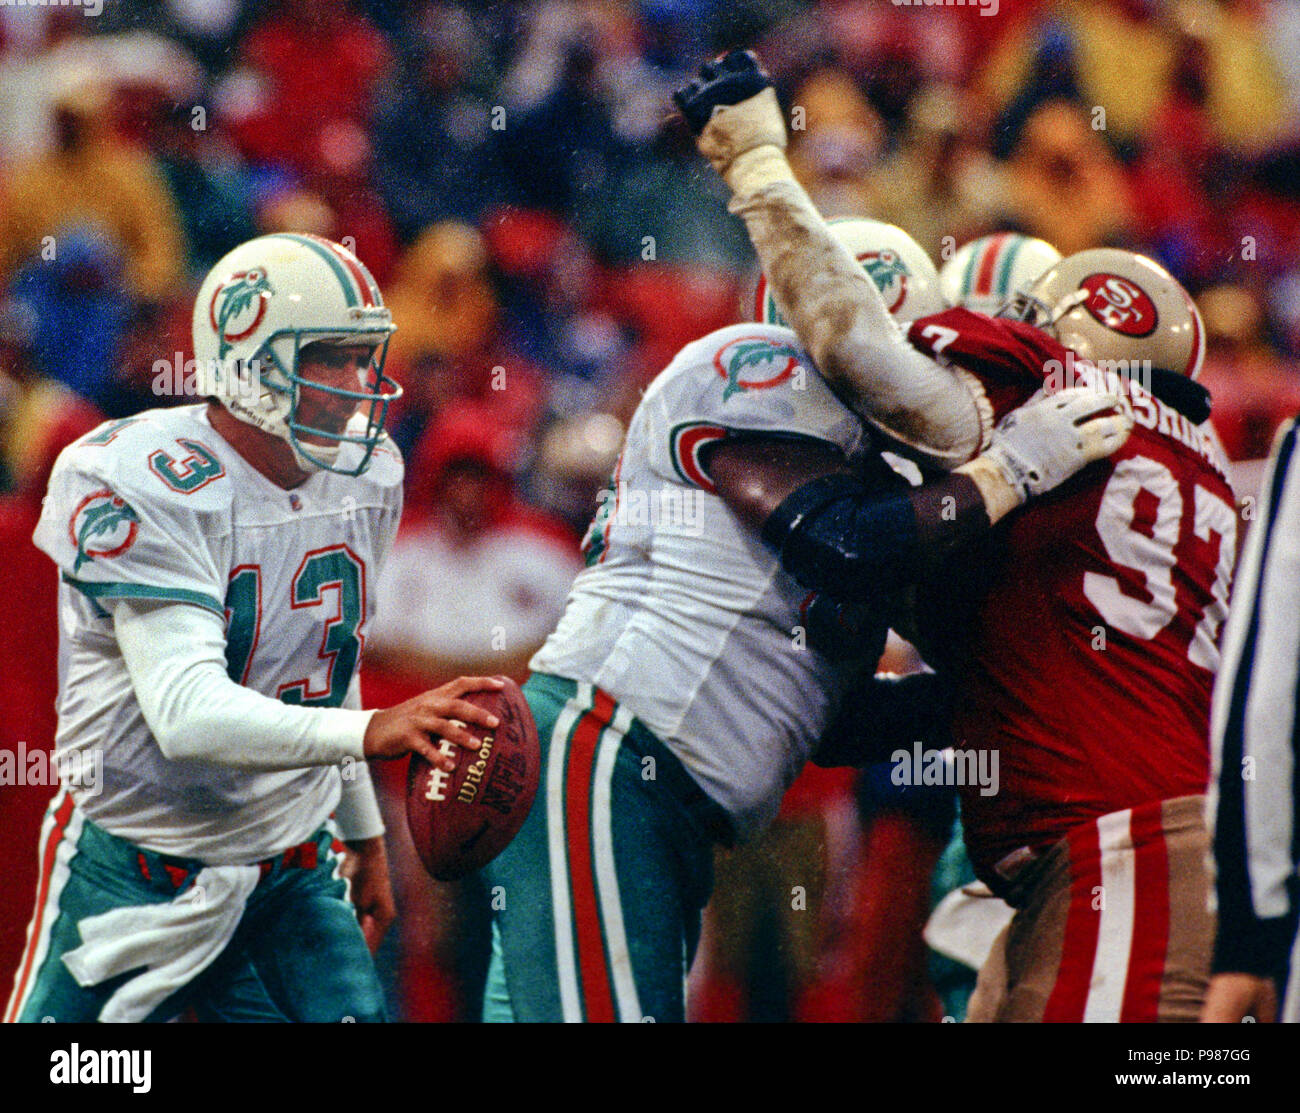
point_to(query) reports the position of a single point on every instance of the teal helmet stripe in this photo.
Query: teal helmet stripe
(968, 278)
(1008, 261)
(340, 272)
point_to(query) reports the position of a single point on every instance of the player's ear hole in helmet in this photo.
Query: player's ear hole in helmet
(259, 308)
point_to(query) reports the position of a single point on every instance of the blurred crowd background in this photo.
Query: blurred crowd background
(547, 238)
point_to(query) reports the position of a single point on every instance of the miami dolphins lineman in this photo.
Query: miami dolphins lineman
(217, 564)
(737, 575)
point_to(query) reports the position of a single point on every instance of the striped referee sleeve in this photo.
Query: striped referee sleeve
(1252, 798)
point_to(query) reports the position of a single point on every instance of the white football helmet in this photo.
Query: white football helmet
(256, 310)
(986, 273)
(1106, 304)
(897, 264)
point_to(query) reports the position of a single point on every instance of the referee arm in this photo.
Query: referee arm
(1252, 812)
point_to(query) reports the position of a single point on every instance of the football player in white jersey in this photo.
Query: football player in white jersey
(218, 563)
(738, 576)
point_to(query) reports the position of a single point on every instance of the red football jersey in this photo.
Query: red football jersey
(1088, 647)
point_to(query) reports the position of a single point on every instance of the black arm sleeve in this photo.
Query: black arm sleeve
(834, 534)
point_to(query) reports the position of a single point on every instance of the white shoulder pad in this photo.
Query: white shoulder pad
(749, 378)
(139, 508)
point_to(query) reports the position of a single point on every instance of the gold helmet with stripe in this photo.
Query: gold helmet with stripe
(1110, 305)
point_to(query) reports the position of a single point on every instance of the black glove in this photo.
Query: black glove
(734, 77)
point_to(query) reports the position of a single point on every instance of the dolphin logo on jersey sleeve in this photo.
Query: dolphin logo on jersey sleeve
(106, 519)
(775, 361)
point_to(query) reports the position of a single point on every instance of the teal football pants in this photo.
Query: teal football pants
(597, 900)
(297, 955)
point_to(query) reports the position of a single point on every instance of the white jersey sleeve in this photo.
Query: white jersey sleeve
(131, 515)
(197, 713)
(751, 379)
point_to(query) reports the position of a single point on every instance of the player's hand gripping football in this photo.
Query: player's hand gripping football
(410, 727)
(1043, 443)
(733, 109)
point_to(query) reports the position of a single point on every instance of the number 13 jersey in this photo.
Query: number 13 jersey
(160, 507)
(1089, 646)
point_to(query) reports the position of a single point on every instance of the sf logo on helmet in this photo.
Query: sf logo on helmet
(1120, 305)
(238, 306)
(889, 273)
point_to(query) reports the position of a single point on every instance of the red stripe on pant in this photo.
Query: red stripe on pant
(1069, 995)
(597, 996)
(1150, 944)
(48, 855)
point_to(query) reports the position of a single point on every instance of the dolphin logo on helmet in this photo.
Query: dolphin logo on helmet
(230, 302)
(896, 263)
(889, 273)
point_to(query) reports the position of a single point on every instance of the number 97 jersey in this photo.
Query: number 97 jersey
(159, 507)
(1091, 617)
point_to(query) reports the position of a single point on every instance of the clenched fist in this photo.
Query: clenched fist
(734, 77)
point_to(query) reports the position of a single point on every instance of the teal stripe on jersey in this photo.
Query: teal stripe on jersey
(95, 592)
(340, 272)
(1004, 271)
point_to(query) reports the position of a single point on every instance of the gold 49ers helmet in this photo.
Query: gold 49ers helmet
(1111, 305)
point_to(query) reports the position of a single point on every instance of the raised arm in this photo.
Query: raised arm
(822, 291)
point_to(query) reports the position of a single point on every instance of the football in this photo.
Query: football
(460, 821)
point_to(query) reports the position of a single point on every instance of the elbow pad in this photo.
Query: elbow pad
(835, 535)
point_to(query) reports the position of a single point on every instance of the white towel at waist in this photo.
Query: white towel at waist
(174, 942)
